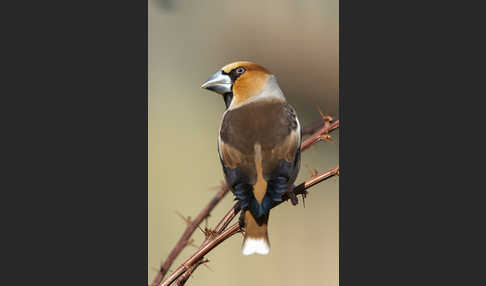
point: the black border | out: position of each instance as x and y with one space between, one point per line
74 208
407 205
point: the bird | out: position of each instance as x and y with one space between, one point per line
258 145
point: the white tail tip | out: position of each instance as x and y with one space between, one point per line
255 245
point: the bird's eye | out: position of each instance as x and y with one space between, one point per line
240 70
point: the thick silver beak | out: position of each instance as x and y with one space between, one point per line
219 83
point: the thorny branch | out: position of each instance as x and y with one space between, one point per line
221 232
191 227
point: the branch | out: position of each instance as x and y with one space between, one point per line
190 264
220 233
183 278
191 227
321 134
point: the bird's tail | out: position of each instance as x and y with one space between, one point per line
256 236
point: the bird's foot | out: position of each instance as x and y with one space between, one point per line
241 220
292 196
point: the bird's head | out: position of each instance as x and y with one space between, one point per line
239 82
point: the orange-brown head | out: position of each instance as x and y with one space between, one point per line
240 81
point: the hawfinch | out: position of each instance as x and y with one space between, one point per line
258 145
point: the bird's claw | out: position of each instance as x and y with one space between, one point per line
292 196
241 220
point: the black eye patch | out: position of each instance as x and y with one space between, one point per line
235 73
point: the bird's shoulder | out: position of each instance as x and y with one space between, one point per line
269 121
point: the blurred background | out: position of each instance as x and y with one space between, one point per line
188 42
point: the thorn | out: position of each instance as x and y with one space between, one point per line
326 137
206 265
326 118
313 172
202 230
208 233
186 219
320 111
304 195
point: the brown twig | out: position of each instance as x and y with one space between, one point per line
220 233
183 278
317 128
193 262
185 238
321 134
